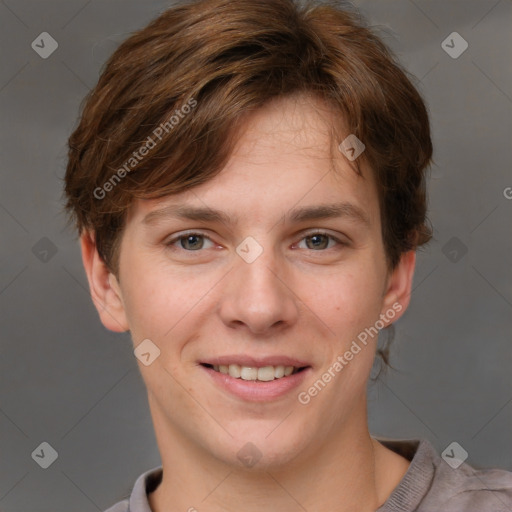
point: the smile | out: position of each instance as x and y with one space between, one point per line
263 374
256 379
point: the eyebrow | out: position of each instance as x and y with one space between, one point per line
330 211
187 212
297 215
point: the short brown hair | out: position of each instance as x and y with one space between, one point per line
223 59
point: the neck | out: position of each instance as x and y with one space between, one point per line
349 471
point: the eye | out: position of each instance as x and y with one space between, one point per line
319 241
189 241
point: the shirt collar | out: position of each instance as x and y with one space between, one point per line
146 483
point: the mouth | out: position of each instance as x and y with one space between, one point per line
256 379
255 373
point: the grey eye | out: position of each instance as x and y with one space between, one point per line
317 241
192 242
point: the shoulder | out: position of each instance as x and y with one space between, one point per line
433 483
122 506
458 486
470 489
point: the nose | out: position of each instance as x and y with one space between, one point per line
258 296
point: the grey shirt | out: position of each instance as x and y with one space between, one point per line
429 485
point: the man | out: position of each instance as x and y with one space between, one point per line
248 180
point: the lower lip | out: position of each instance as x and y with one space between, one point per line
257 391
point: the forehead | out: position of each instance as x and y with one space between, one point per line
286 157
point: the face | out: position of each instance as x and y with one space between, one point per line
274 266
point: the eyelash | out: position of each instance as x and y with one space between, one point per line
183 236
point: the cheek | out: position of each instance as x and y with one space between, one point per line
154 306
160 301
347 301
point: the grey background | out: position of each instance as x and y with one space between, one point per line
67 381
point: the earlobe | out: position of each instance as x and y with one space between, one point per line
104 287
397 294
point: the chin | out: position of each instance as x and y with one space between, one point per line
258 447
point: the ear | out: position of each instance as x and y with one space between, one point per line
397 293
105 290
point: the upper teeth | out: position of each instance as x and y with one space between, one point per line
265 373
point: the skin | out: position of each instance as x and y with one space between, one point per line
298 299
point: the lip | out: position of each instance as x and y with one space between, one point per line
257 391
259 362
